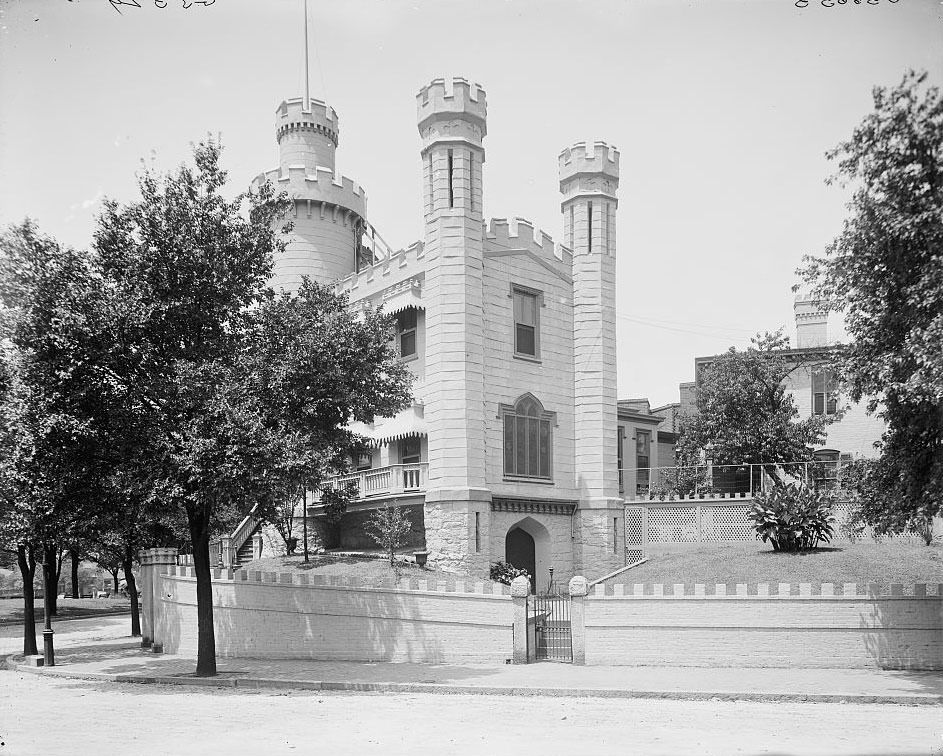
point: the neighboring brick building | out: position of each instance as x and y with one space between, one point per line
510 448
813 388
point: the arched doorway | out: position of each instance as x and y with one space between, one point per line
521 552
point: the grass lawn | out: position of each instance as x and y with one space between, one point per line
755 562
366 567
11 610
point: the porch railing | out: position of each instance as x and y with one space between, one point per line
723 481
383 481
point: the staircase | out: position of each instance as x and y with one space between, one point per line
240 543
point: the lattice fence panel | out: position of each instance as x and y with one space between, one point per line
674 524
634 534
728 523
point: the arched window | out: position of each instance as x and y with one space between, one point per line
528 439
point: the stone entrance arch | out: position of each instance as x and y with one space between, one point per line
527 546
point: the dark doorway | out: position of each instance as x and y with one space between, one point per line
519 551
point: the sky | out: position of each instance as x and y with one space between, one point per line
722 110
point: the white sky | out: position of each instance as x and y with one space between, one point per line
722 110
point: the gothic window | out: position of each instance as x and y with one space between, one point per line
528 439
526 322
824 398
406 332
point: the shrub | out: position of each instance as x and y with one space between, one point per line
502 572
793 517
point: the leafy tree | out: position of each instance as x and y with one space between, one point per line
745 414
885 273
389 527
244 394
54 406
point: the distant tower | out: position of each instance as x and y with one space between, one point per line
589 178
811 323
451 120
329 210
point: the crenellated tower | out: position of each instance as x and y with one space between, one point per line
329 210
589 179
451 119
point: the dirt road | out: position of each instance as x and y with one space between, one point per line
42 716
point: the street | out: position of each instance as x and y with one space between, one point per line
56 716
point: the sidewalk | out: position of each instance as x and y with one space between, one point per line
122 660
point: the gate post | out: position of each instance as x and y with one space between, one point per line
578 590
520 589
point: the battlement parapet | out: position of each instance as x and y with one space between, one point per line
407 258
520 233
583 158
453 99
292 115
322 186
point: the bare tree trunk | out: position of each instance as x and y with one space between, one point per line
114 579
74 557
206 637
27 563
133 593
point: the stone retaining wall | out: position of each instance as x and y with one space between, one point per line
754 626
269 615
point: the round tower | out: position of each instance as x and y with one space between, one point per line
329 210
589 178
306 137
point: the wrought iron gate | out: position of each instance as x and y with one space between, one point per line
549 615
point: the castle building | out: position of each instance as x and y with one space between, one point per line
509 452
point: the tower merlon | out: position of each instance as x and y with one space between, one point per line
520 233
582 158
322 186
443 100
292 115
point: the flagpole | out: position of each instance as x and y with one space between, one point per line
307 93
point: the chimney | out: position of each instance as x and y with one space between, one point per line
811 323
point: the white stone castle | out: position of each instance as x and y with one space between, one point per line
510 449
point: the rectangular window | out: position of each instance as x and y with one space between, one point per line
364 461
471 181
406 331
643 448
824 395
451 187
526 337
620 438
410 450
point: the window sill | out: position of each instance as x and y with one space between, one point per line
527 358
409 357
519 479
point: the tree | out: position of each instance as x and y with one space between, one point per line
884 272
227 375
389 527
745 414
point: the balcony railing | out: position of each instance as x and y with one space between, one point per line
383 481
724 481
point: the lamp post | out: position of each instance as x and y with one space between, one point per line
49 651
550 587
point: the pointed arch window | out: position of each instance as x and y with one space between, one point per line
528 439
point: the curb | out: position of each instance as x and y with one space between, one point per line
262 683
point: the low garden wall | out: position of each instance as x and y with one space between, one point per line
763 626
269 615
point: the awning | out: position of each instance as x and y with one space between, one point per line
405 294
409 422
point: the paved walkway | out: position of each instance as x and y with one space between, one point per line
121 659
